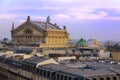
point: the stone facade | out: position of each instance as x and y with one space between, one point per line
116 55
44 33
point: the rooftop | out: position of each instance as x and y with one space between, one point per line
42 25
78 72
35 60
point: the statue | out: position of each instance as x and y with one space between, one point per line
64 27
48 19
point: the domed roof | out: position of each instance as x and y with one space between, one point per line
81 43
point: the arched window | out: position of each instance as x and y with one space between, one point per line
28 33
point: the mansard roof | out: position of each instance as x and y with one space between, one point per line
24 51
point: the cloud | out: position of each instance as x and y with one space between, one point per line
76 16
61 16
69 12
79 10
49 8
113 18
7 16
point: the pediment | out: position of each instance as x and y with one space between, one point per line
26 25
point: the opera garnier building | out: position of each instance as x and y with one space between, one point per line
45 34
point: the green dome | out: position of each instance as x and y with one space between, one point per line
81 43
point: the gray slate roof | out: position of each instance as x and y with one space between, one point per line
42 25
54 67
24 51
89 72
79 72
35 60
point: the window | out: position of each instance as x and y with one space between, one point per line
70 78
94 79
61 77
108 78
40 72
65 77
58 76
101 78
37 71
48 74
28 33
114 78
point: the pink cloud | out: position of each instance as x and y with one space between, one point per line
7 16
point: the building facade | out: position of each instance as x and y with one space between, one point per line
116 55
37 32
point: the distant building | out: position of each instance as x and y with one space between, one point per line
105 54
44 34
0 44
5 40
93 43
115 49
81 43
72 43
116 55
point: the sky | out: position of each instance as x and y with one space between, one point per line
83 18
